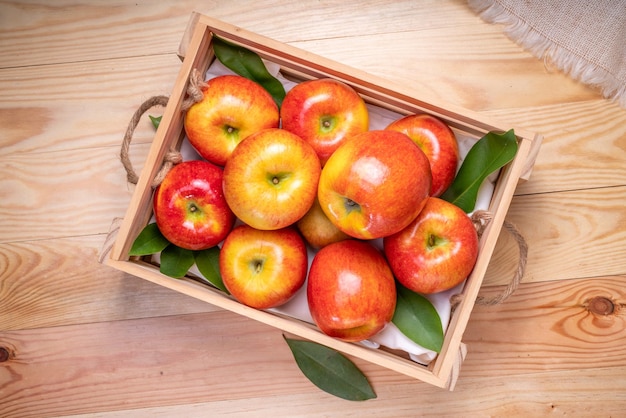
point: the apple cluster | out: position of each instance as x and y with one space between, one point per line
273 182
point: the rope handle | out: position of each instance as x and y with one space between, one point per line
481 219
173 156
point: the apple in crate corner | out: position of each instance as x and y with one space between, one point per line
438 142
190 208
233 107
351 290
437 251
374 184
318 231
324 112
270 179
263 269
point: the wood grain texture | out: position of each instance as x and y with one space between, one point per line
449 71
65 106
53 282
491 398
549 326
149 28
570 234
197 357
588 135
85 339
82 190
152 28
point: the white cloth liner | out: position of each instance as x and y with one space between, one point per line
297 307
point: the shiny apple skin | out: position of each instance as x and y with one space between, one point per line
437 251
189 206
374 184
270 180
351 290
324 112
438 142
233 107
263 269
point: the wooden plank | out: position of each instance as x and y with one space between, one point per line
584 145
54 282
148 361
68 32
559 325
192 358
152 28
571 234
63 193
534 395
155 29
65 114
462 72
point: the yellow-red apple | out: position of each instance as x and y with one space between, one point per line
324 112
270 179
317 230
351 290
374 184
233 107
263 269
437 251
189 206
438 142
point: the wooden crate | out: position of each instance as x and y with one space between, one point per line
196 52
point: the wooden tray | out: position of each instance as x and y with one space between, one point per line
196 52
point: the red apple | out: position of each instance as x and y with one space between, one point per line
270 179
318 231
190 208
438 142
374 184
324 113
351 290
263 269
233 107
437 251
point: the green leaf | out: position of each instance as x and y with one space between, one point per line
248 64
417 318
176 261
155 121
149 241
208 263
330 370
490 153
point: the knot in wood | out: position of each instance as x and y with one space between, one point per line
4 354
600 305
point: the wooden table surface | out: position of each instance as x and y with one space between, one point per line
78 337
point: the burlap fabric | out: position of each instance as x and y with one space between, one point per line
586 39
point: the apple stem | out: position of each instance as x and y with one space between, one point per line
275 180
